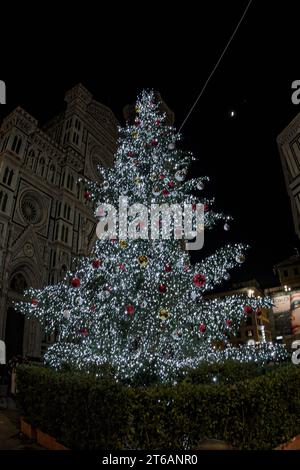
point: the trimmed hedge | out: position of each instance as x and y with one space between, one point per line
83 412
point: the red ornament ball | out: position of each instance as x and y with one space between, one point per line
258 313
165 192
84 331
168 268
96 263
228 322
122 266
130 154
171 184
194 207
137 122
87 195
199 280
130 309
34 302
162 177
157 122
206 207
154 142
248 309
93 308
162 288
202 328
75 282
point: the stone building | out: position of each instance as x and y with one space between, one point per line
288 143
45 219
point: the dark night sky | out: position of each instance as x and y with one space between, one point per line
174 53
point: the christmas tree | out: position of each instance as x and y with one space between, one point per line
137 303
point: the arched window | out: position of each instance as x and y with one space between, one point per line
1 196
63 271
65 210
42 167
30 159
5 176
5 141
56 233
16 146
11 174
62 236
72 183
52 174
8 176
69 213
66 235
18 283
4 203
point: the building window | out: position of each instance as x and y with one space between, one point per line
67 211
77 124
30 159
5 141
70 182
62 235
16 146
76 138
67 137
54 259
63 271
56 232
42 167
31 209
285 273
8 176
52 173
5 176
296 271
18 283
3 201
11 174
66 235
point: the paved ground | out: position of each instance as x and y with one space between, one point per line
10 436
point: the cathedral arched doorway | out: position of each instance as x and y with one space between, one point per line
14 332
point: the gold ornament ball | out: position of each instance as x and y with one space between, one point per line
137 109
135 135
240 258
143 260
163 314
137 180
123 244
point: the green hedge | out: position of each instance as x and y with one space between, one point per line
83 412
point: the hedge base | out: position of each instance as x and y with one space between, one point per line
27 429
293 444
45 440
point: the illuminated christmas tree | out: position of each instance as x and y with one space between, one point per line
137 303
